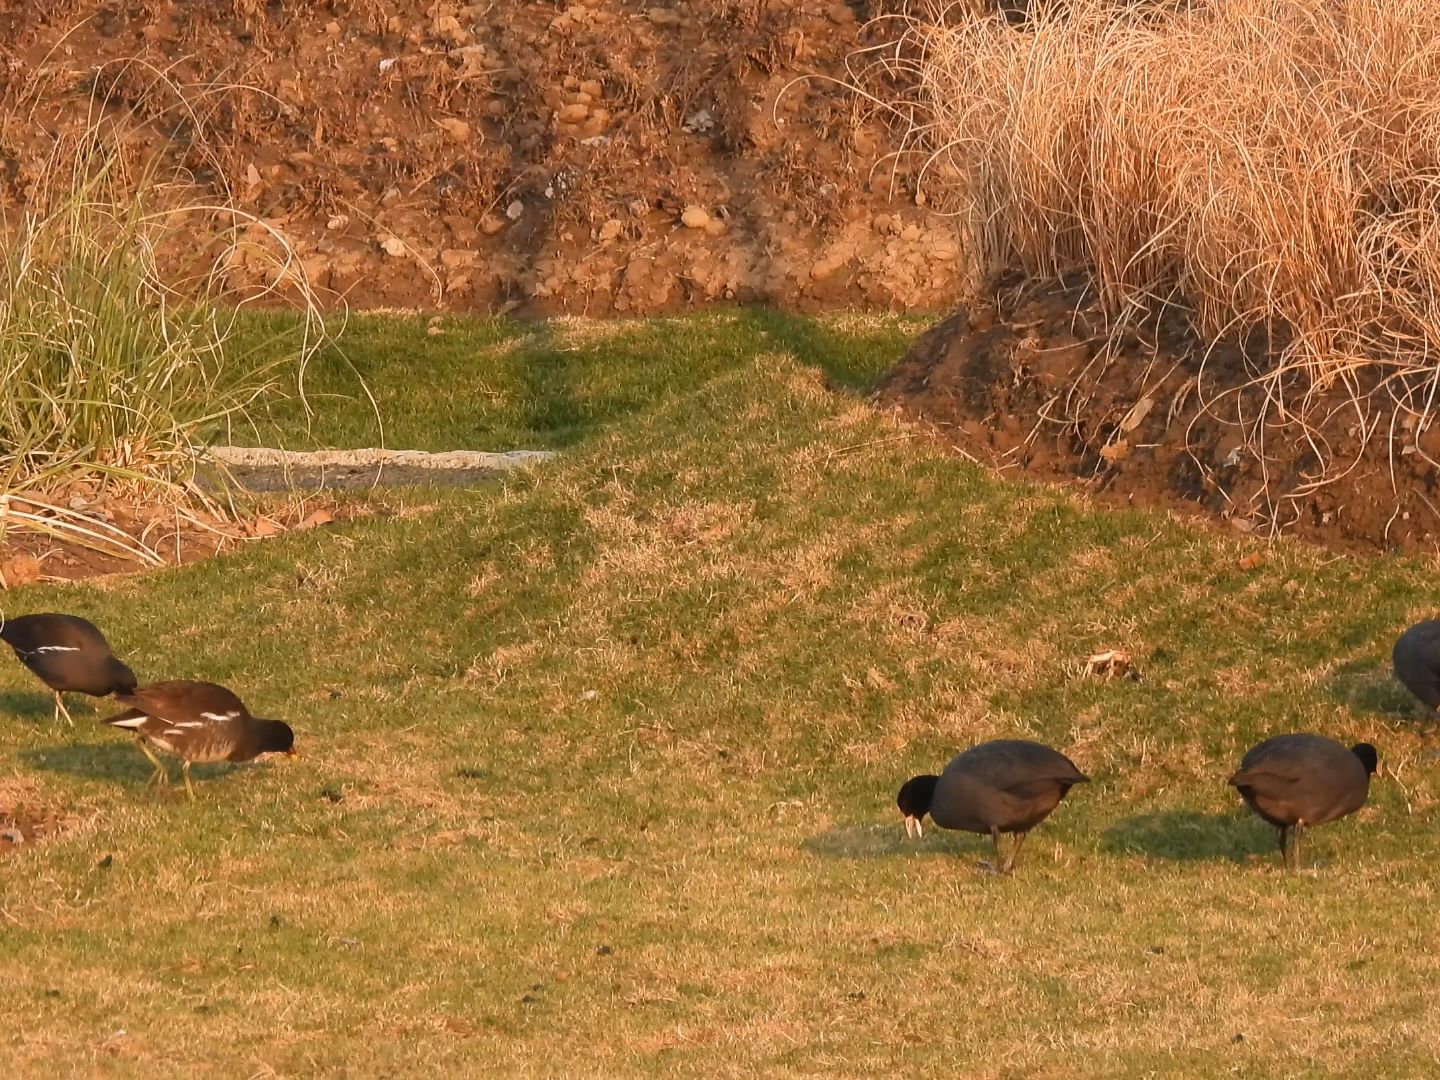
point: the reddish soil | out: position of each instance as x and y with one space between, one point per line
175 539
1029 379
594 156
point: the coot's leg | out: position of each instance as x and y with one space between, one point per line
1015 851
997 866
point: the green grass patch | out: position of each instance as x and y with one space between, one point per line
429 383
599 764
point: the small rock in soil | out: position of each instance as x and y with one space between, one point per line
700 122
455 129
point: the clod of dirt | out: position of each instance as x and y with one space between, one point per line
264 526
20 826
458 130
19 570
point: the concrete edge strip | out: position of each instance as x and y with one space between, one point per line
266 457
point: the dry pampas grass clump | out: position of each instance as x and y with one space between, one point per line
1270 165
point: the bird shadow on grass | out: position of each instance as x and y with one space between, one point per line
1367 691
889 842
118 762
39 706
1190 836
27 705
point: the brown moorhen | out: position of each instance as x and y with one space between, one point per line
198 721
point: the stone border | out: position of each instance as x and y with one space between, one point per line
265 457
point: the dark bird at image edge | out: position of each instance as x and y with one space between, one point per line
68 654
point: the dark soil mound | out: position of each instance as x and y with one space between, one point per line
595 156
1033 379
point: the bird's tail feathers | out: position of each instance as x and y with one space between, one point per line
130 719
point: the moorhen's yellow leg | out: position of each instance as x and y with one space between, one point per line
185 774
60 710
161 775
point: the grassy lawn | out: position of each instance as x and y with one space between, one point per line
451 383
598 765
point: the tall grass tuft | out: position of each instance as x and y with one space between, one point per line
115 357
1267 163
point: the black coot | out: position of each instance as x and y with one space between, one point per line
1416 657
1004 786
1296 781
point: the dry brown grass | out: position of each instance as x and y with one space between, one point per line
1271 164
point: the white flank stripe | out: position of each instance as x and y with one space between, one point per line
189 723
57 648
219 718
131 722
